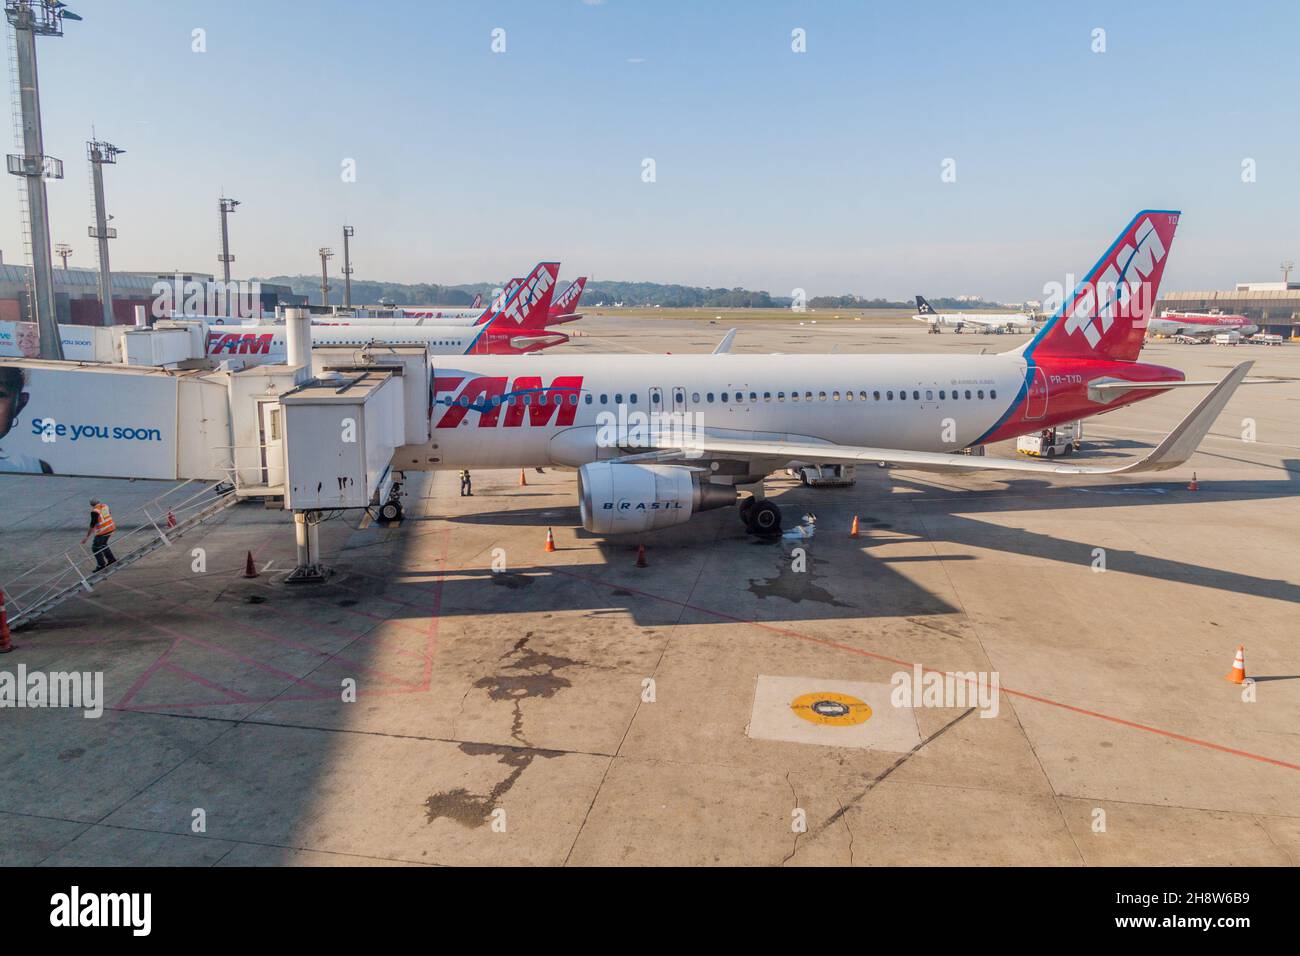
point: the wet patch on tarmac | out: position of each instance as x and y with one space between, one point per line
794 586
475 809
532 674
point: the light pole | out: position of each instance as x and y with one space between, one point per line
30 20
348 233
63 251
99 153
227 207
326 254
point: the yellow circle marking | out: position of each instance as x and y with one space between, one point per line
835 710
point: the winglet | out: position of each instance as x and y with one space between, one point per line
725 345
1182 442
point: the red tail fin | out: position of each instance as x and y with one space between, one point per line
499 299
528 305
566 303
1106 315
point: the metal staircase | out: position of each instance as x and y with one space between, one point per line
162 521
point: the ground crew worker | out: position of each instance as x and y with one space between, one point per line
466 485
101 526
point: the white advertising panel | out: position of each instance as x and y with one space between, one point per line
70 422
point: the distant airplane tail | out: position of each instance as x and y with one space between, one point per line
566 303
478 301
923 307
1106 315
527 303
499 299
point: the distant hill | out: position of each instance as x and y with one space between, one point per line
370 292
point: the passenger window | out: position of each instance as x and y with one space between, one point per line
496 400
929 394
821 396
863 395
780 396
588 398
849 396
876 396
889 396
753 396
724 396
604 399
980 393
618 398
942 395
835 396
573 398
767 396
695 397
968 394
541 399
679 397
528 399
654 398
807 396
708 397
993 393
632 398
794 396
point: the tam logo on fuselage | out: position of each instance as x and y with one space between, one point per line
527 399
240 343
1121 290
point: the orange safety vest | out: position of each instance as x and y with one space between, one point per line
105 524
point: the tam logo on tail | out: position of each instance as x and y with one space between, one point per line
1106 315
567 301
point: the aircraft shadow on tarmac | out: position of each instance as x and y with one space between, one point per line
710 570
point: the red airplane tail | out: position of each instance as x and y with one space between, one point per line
515 326
1106 315
566 303
499 299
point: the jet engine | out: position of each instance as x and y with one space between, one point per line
618 498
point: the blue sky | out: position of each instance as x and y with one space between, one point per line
774 169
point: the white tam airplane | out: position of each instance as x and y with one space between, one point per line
657 438
995 320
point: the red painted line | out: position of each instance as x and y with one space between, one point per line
235 696
1172 735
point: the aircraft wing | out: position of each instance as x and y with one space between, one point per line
1173 451
725 345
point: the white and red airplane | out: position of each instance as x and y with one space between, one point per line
562 309
1200 324
657 438
511 330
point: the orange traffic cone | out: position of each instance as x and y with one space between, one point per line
640 556
1191 485
171 519
6 645
1238 673
853 531
523 480
550 540
250 569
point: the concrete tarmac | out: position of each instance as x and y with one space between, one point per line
514 706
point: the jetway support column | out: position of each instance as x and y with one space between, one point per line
307 535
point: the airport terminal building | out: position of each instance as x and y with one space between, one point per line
1275 306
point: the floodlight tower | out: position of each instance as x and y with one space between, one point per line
1287 266
348 233
326 254
99 153
30 19
63 250
227 207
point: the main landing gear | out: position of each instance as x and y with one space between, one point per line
760 517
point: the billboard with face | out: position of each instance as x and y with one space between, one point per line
70 422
